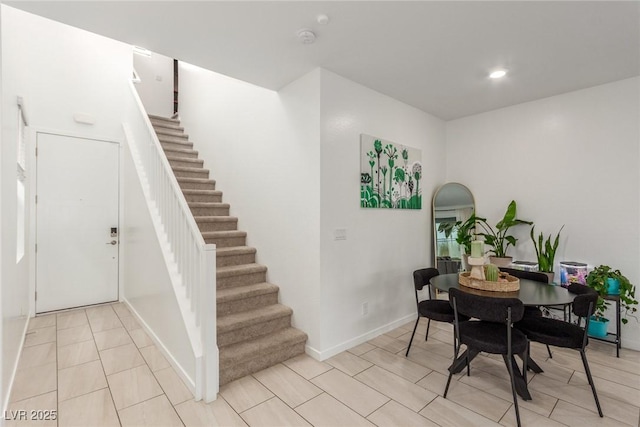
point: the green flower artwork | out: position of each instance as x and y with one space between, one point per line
390 175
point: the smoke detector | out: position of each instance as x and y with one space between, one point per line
306 36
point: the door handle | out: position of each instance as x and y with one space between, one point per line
113 242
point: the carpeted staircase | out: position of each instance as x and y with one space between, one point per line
254 331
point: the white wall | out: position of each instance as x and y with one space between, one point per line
148 287
59 71
263 150
156 85
570 159
383 247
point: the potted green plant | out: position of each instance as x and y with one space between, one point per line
498 239
465 233
607 281
546 251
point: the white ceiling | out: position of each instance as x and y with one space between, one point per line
432 55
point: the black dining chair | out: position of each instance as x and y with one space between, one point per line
491 333
432 308
535 276
565 334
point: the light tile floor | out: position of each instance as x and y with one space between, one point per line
97 367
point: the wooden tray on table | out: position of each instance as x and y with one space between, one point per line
505 283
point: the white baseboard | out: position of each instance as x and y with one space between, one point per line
189 382
630 343
321 355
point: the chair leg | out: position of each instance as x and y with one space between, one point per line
456 350
549 351
507 361
593 387
525 357
468 366
426 336
411 340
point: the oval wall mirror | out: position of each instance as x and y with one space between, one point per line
452 202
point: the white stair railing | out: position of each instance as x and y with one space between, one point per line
193 259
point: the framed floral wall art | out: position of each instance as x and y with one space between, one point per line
390 174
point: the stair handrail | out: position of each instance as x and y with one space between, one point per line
194 258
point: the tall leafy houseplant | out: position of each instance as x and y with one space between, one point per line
545 250
466 231
598 280
497 238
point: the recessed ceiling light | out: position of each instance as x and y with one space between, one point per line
498 74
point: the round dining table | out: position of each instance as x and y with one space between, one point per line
531 293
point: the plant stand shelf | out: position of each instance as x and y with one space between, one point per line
613 338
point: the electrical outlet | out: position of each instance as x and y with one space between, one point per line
365 308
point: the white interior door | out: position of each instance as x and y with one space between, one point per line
76 208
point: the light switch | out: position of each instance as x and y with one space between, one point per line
340 234
84 118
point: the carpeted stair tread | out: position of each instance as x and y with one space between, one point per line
166 125
207 192
209 208
232 322
164 119
196 180
185 169
216 222
167 142
180 153
245 358
195 162
235 250
225 238
208 204
257 348
230 233
239 270
164 122
171 132
245 298
215 219
177 139
177 151
242 292
179 171
236 255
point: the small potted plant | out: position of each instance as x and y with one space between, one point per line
607 281
498 239
546 252
465 233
